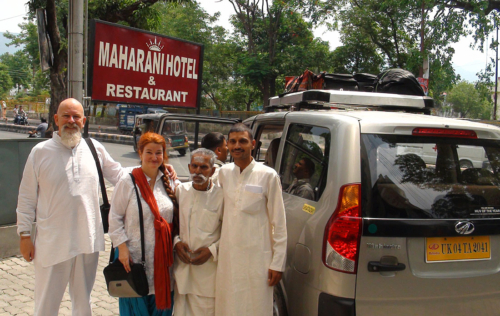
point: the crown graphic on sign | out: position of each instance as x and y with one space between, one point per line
156 46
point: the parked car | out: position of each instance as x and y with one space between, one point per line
127 114
387 230
181 131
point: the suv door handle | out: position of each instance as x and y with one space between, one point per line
377 266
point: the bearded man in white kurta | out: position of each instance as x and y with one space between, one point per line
200 216
60 187
252 247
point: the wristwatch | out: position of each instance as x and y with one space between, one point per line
25 234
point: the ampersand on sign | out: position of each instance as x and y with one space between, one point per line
152 81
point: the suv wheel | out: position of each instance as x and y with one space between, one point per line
279 308
182 152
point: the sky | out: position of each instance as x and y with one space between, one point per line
466 61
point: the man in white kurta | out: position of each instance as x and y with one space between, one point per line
252 247
60 189
200 216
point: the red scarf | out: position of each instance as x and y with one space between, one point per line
164 255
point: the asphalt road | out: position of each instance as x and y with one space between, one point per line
125 154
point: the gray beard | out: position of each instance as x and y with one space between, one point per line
70 139
205 179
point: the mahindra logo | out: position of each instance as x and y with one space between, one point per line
433 246
464 228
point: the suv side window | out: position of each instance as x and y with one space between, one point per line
268 141
305 161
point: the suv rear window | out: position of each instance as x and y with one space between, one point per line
424 177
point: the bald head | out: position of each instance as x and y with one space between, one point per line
70 112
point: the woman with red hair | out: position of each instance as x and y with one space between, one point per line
159 206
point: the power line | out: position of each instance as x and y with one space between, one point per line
12 17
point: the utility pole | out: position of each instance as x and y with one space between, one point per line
75 50
496 74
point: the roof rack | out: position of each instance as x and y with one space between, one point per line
337 99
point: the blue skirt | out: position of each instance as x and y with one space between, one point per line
141 306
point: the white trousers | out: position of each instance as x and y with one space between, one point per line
51 282
193 305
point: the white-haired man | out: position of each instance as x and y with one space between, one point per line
200 216
60 187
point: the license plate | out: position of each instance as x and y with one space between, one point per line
443 249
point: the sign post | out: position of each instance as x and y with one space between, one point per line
131 66
424 83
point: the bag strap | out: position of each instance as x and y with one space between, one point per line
141 223
141 220
99 171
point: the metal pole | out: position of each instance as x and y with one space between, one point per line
75 50
496 76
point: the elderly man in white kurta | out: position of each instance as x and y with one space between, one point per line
253 242
200 216
60 188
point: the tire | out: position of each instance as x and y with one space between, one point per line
182 151
279 306
466 164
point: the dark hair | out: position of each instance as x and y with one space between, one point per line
240 127
212 140
310 166
43 119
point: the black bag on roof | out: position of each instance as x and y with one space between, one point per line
341 82
366 82
398 81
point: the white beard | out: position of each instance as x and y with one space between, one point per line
70 139
198 182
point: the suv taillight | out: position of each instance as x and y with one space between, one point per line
343 231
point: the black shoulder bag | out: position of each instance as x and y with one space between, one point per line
132 284
105 205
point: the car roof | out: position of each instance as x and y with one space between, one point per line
383 122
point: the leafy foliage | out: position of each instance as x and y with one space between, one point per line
5 80
468 101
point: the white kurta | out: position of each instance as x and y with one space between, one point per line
124 221
253 206
60 187
200 219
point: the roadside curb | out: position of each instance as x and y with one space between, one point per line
103 137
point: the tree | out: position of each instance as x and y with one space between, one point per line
5 80
190 22
275 40
129 12
466 100
28 40
19 68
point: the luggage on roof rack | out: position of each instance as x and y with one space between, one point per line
398 81
366 82
328 99
345 82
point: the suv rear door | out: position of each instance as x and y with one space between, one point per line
431 227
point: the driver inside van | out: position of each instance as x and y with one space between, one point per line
301 186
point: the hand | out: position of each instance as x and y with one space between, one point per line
204 255
27 248
171 172
124 256
274 277
183 250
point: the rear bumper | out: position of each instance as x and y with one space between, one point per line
330 305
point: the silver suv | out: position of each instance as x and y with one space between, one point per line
376 225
